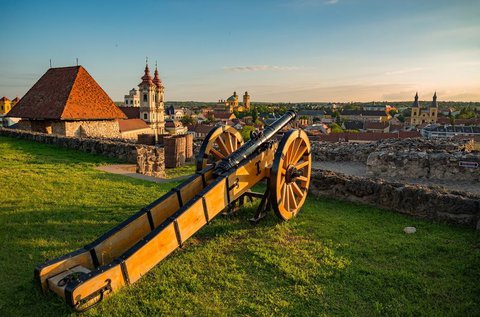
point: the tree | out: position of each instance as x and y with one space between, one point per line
336 128
187 120
254 114
245 132
392 113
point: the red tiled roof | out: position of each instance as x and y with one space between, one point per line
132 124
200 128
66 93
4 99
223 115
131 112
375 125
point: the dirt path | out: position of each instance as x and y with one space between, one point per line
130 171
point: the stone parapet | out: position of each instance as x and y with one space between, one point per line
150 160
459 208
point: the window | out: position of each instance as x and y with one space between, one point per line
433 113
144 97
145 116
414 113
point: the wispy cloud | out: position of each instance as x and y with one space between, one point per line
329 2
404 71
256 68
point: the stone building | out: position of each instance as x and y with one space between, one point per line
420 116
68 101
151 92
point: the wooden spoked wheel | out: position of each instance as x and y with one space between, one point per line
219 143
290 174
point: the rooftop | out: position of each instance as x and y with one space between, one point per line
66 93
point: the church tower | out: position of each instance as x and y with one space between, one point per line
151 101
159 106
433 109
415 115
246 101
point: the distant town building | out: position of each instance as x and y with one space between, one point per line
68 101
420 116
232 104
449 131
174 114
174 127
132 128
132 99
5 105
364 115
311 116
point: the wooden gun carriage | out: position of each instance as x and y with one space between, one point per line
227 169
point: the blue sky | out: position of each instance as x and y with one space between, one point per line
285 50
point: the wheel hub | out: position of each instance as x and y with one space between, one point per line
292 173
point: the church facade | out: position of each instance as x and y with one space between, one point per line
420 116
151 95
232 104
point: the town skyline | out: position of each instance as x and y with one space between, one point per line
278 51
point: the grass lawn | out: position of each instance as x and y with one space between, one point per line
335 258
186 170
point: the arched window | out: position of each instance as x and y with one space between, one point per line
145 97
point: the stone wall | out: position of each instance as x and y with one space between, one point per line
359 152
426 164
150 160
94 129
458 208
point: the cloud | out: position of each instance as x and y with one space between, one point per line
329 2
404 71
256 68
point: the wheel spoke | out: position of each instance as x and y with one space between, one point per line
296 144
302 178
297 190
217 154
222 145
298 155
301 165
292 196
287 194
229 142
283 191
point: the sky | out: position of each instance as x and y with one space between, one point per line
278 51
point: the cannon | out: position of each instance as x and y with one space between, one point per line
226 170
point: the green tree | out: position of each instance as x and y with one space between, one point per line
187 120
336 128
255 114
245 132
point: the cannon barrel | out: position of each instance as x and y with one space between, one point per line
255 142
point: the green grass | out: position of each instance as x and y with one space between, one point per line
335 258
186 170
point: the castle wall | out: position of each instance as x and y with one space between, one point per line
150 160
461 209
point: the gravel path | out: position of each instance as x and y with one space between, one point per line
360 169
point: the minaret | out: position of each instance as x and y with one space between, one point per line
246 101
433 109
148 97
415 115
159 105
